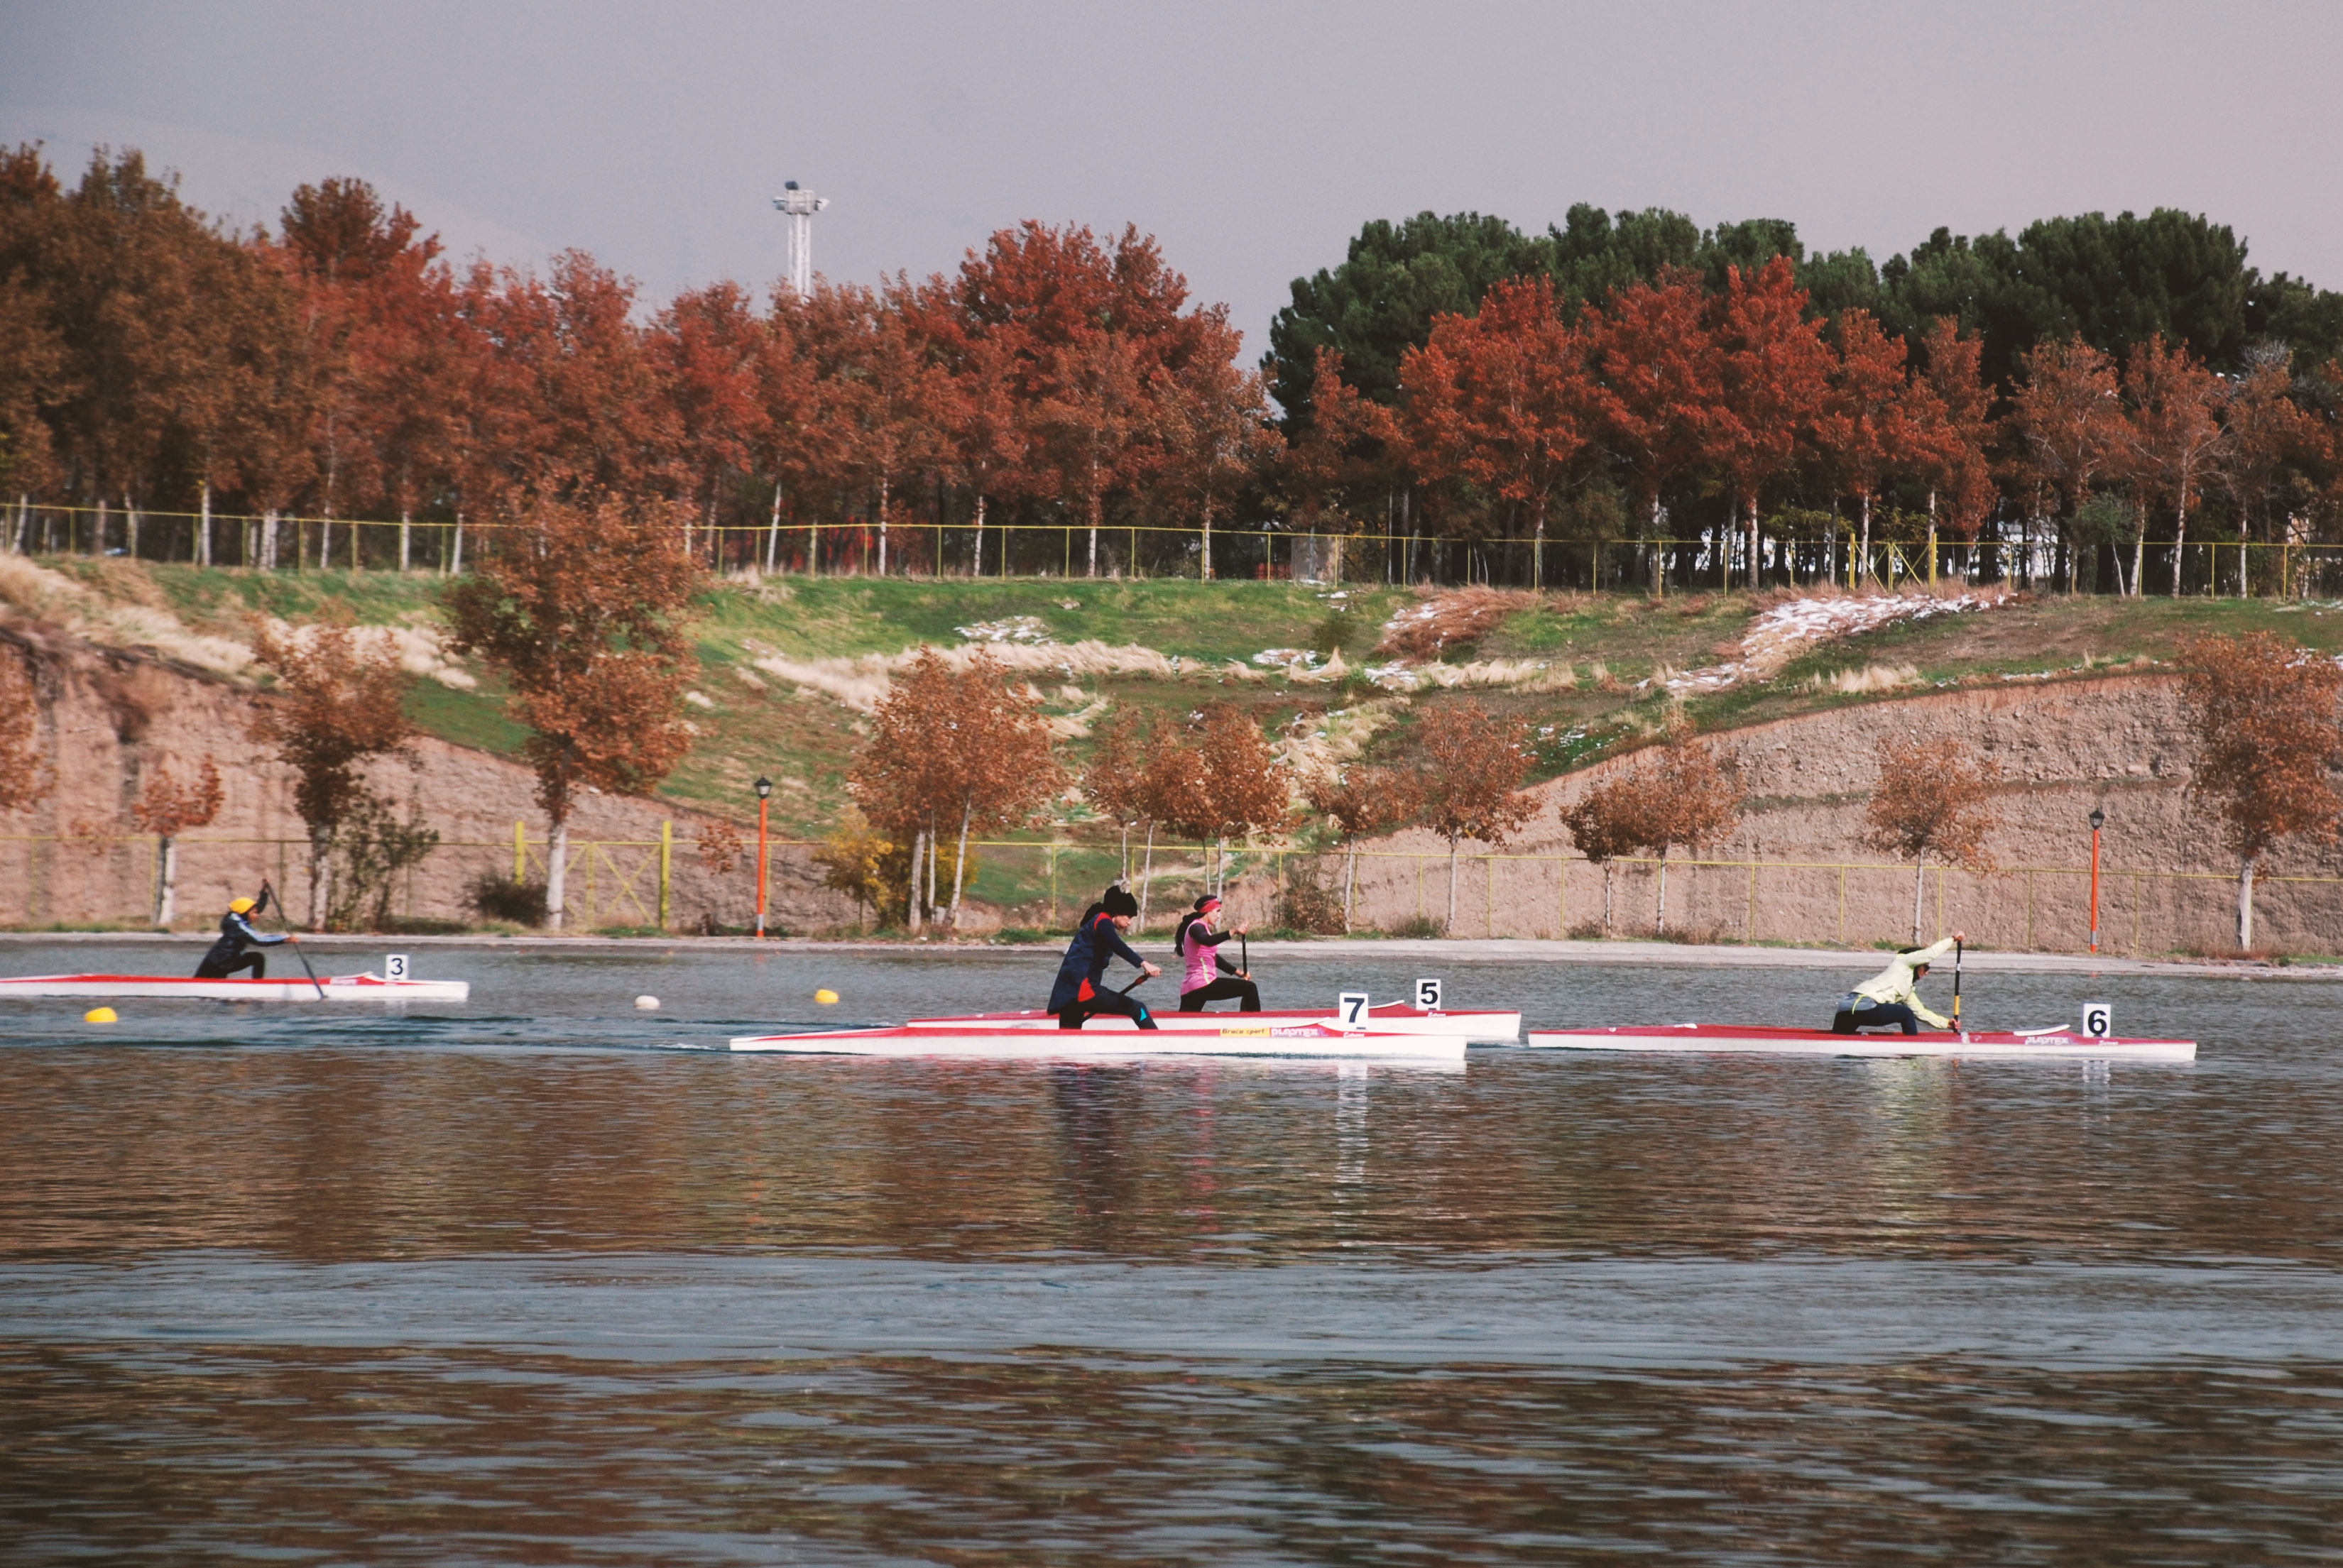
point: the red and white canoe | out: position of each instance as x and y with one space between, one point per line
1226 1037
1758 1041
1478 1026
335 988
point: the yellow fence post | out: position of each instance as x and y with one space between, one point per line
520 851
666 862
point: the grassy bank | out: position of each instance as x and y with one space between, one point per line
776 694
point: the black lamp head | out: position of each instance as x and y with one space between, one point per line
2098 819
764 787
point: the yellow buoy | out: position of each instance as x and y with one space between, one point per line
826 996
100 1015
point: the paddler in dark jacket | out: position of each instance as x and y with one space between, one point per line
228 955
1079 993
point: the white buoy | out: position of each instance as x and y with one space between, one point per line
646 1004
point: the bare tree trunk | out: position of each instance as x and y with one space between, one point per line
1932 538
1453 844
1863 549
268 540
556 875
1662 924
2246 906
935 853
130 527
1753 556
456 557
1207 555
1537 548
959 866
321 872
1349 885
1606 897
919 869
882 526
1147 876
166 891
2180 540
2139 555
406 540
204 528
1919 885
1094 528
975 567
773 533
98 544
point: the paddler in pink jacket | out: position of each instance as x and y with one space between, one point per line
1210 977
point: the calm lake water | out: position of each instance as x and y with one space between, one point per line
524 1281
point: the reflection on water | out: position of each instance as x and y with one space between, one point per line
500 1282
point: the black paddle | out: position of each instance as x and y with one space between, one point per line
1957 984
293 940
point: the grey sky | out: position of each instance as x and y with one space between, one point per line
1253 139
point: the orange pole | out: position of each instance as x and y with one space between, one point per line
2095 889
763 804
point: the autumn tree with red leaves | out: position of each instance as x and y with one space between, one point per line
1775 372
1931 802
2174 438
584 608
339 703
167 809
952 751
1660 386
1503 397
2267 747
26 780
1470 781
1362 803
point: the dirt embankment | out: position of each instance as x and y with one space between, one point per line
108 717
2062 749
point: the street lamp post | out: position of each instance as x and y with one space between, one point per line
2099 820
764 795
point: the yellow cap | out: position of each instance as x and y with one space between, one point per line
826 997
100 1015
239 906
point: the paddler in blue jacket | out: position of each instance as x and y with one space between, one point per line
1892 997
228 955
1079 993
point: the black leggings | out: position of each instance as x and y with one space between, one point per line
212 969
1227 986
1875 1016
1103 1002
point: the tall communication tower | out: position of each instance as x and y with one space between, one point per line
799 205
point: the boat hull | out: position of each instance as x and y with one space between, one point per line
1748 1041
1478 1026
1055 1044
364 988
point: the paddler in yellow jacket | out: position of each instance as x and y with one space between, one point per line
1893 995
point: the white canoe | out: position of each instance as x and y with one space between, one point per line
335 988
1095 1043
1747 1039
1480 1026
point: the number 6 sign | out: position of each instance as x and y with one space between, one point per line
2098 1020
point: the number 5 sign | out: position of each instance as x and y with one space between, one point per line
1427 995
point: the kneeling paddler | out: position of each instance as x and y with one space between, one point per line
1079 994
1891 998
230 955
